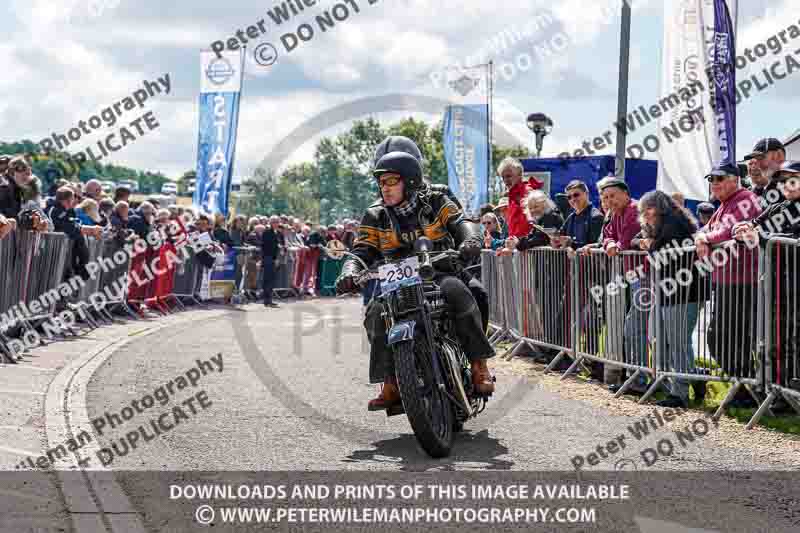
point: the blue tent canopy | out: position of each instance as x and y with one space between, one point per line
640 174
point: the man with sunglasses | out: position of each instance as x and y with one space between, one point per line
400 143
584 224
389 229
731 331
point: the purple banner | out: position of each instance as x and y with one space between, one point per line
721 49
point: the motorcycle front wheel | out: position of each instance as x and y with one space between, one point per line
429 410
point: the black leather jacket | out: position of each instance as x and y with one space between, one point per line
386 234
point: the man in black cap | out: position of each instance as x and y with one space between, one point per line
762 163
782 220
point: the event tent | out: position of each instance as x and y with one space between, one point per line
556 173
792 145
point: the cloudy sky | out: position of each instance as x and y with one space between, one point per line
66 63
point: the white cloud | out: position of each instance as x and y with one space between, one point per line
67 66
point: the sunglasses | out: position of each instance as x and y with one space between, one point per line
389 181
20 168
574 195
716 179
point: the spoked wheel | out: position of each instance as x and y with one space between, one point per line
428 409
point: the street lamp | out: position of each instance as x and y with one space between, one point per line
541 125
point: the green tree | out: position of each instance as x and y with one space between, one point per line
187 178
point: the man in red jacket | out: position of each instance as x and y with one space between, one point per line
731 335
510 170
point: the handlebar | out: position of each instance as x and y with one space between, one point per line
426 267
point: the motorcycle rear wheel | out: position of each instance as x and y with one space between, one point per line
432 418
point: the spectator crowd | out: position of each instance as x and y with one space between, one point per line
80 210
748 202
285 252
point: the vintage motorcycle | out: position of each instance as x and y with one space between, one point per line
433 373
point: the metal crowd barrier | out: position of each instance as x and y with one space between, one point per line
705 317
781 354
285 274
611 315
113 279
489 278
8 284
40 265
537 284
39 269
33 287
79 299
673 318
188 276
7 257
246 257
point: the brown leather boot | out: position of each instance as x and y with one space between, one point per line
389 396
481 378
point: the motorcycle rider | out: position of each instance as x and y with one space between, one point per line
389 228
399 143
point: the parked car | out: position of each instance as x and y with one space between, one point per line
132 185
169 188
108 186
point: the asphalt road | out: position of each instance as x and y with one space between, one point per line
283 392
292 396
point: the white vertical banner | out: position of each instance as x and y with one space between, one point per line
694 122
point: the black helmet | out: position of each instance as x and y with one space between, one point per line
401 163
397 143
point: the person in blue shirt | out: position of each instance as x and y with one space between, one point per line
584 223
88 213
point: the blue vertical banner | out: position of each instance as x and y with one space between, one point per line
220 92
721 46
466 136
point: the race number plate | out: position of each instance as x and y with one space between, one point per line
401 274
